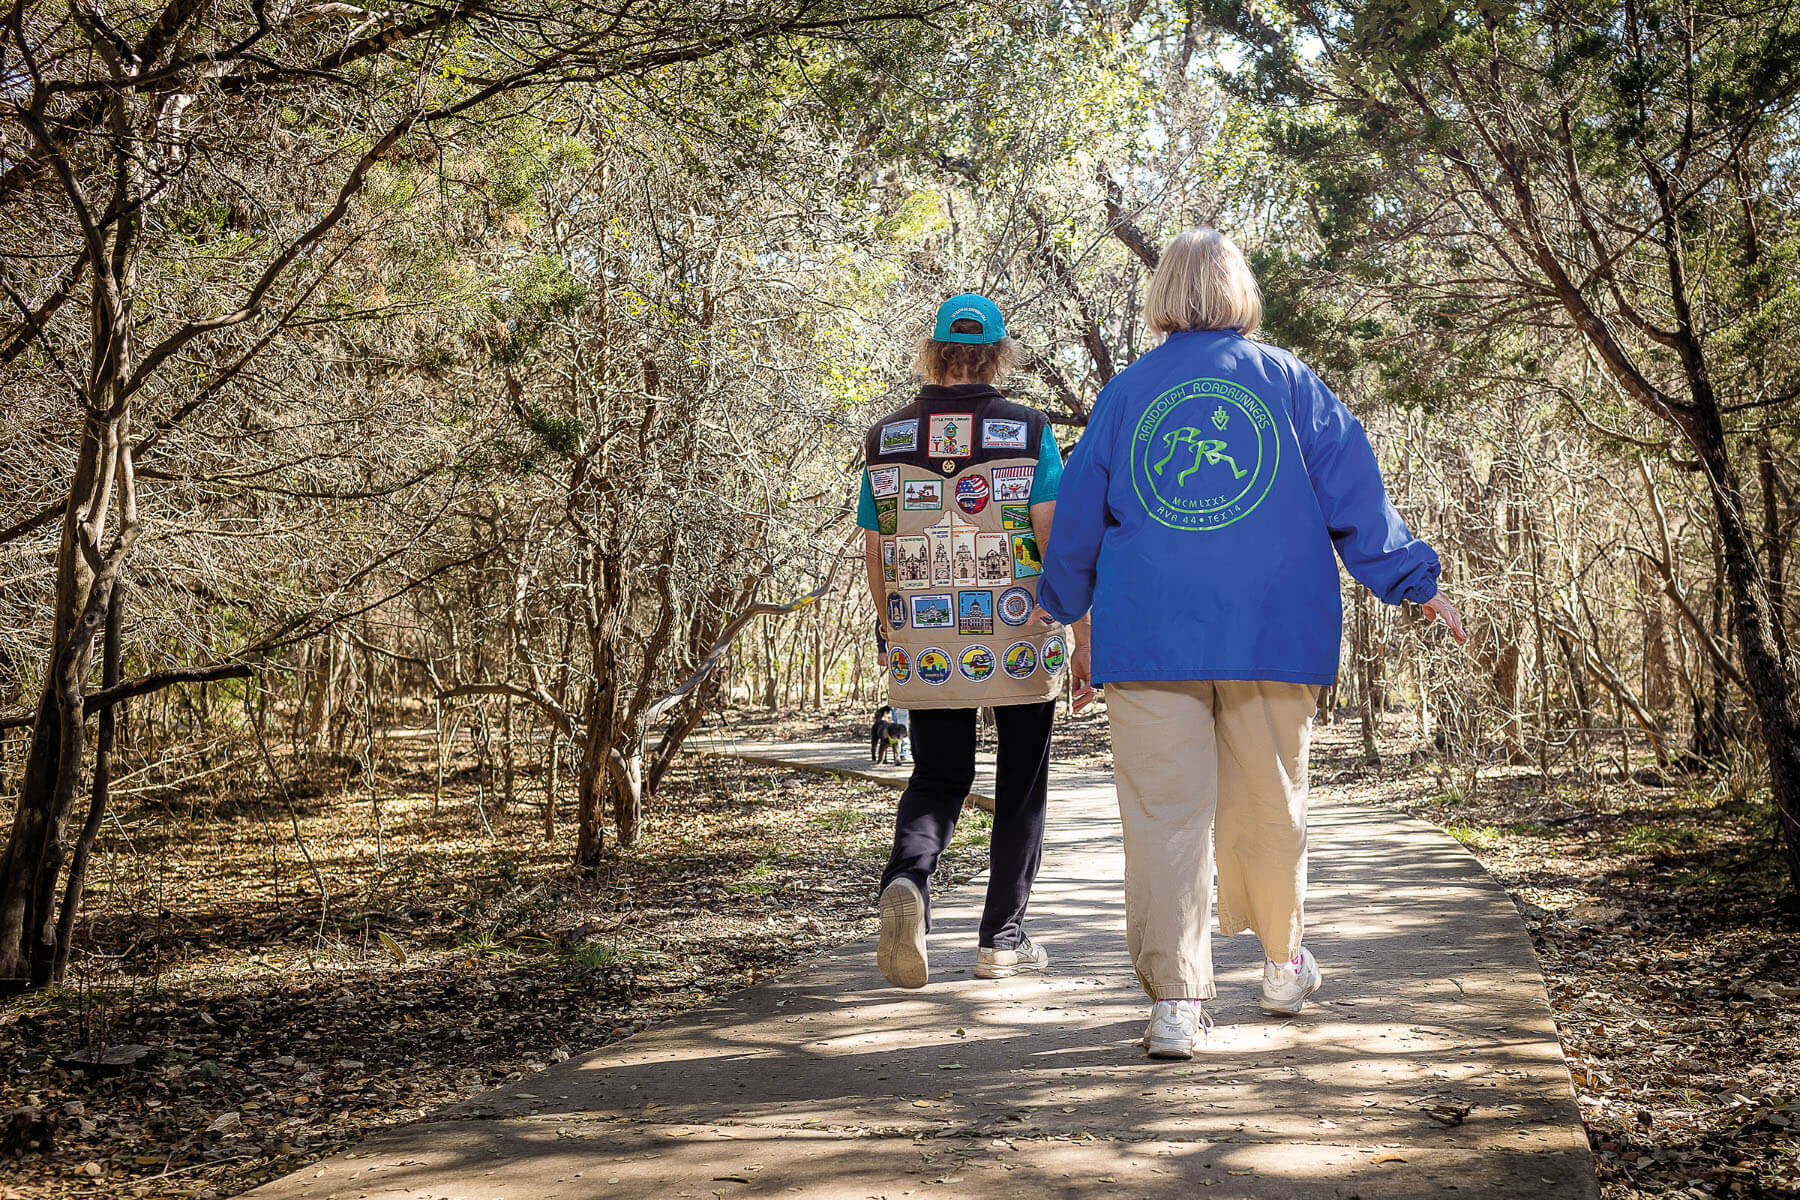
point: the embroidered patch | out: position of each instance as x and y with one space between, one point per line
1204 455
992 564
884 481
1020 660
977 663
887 514
900 437
962 555
932 611
1054 654
1014 517
972 493
934 666
900 665
1025 558
1012 485
974 613
952 435
912 562
887 559
923 494
938 537
1002 435
896 610
1016 605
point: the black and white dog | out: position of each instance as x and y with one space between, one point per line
886 734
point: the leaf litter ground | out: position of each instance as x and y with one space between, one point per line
1666 933
467 957
1658 913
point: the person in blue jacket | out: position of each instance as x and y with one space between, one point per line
1198 519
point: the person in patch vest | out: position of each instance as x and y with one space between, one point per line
957 496
1199 516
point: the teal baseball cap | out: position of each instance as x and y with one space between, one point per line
969 307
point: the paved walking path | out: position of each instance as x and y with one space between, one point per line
831 1084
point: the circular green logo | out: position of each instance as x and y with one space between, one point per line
1204 454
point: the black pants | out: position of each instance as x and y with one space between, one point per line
943 744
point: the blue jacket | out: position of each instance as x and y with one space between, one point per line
1199 512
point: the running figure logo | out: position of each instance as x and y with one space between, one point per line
1206 450
1204 454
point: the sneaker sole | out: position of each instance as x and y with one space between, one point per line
1170 1050
901 951
986 971
1282 1010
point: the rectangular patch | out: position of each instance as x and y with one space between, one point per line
887 559
1002 435
1015 518
940 539
900 437
974 613
923 494
952 435
993 561
884 481
1026 561
962 555
887 514
932 611
912 563
1012 485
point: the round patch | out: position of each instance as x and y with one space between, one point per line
1020 660
949 465
896 611
972 493
934 665
1015 605
1203 455
900 665
1055 656
977 663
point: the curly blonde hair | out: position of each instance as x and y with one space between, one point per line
986 362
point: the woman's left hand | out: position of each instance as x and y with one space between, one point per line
1439 608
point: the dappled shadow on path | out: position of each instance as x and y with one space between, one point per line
832 1083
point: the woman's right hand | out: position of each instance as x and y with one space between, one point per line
1439 608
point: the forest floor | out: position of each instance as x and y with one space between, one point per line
1666 931
468 955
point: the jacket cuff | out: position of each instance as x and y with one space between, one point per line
1422 584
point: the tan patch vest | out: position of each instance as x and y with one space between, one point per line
951 474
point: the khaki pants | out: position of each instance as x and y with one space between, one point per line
1198 764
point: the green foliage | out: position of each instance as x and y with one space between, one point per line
561 433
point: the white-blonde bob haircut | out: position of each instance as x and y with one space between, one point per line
1203 282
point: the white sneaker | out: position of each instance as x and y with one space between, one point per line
1287 985
998 964
1174 1027
901 951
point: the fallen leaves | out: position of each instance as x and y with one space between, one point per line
1669 953
254 1048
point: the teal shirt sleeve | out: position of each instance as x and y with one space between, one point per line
1046 481
866 517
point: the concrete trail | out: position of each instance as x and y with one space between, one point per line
830 1083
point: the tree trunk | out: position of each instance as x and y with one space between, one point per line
627 792
1364 653
110 660
1771 680
33 859
590 837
